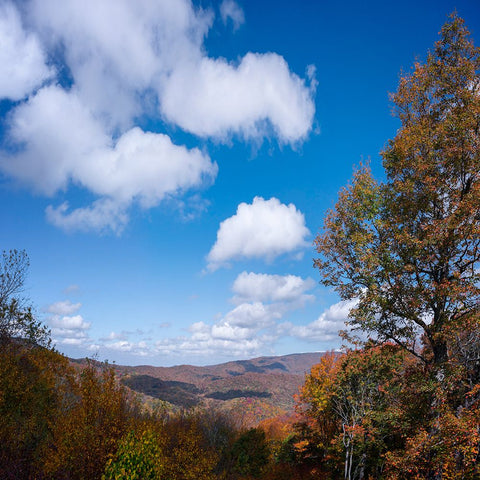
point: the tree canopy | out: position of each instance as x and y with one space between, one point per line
408 248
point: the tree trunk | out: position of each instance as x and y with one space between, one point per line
440 352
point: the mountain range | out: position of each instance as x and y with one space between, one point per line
252 390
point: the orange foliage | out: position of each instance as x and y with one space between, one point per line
93 419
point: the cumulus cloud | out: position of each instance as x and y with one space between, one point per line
115 336
238 332
67 328
68 322
163 53
203 342
22 57
65 307
118 50
262 287
230 10
64 143
249 328
262 229
117 61
252 315
213 98
327 325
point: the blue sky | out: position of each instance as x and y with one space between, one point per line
167 164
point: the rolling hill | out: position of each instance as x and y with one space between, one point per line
251 389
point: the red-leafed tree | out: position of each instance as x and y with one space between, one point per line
409 248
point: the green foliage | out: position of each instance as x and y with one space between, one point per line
182 447
251 453
139 457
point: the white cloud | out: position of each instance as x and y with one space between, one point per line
214 98
250 328
65 307
238 331
64 143
69 330
202 343
22 58
245 331
58 134
68 322
261 287
101 215
252 315
72 341
230 10
117 49
263 229
115 336
126 60
144 46
66 328
141 348
327 325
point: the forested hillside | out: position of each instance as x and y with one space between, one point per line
251 389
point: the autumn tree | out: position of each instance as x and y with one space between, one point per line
319 425
349 397
95 415
438 420
32 391
31 375
408 248
188 452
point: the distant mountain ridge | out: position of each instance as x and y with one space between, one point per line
257 388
